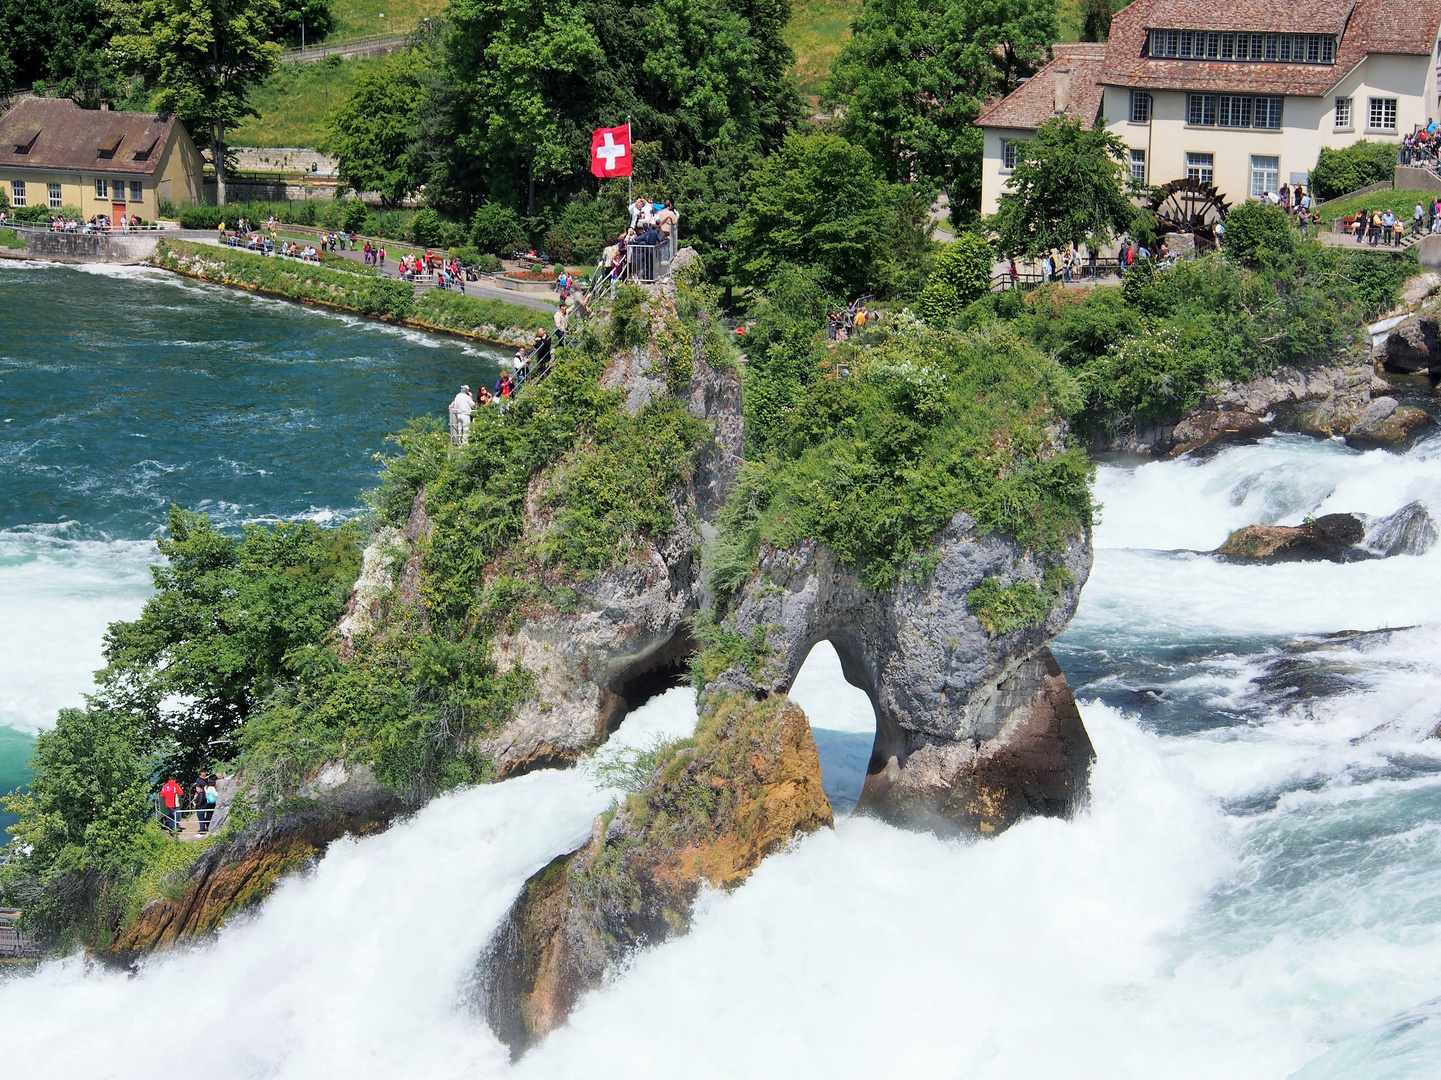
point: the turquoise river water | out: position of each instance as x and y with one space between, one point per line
1253 892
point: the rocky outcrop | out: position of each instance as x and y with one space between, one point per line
1335 538
1387 423
745 786
627 632
1414 344
1332 538
974 730
232 875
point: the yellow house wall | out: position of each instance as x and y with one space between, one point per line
179 158
1309 123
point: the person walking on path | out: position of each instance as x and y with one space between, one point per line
170 795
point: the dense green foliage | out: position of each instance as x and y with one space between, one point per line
1343 170
474 315
873 447
202 57
497 228
962 274
916 73
1068 188
818 203
1003 609
9 238
59 47
1149 351
372 131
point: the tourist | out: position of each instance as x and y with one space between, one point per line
212 797
640 214
503 388
1015 274
562 324
484 397
460 412
1047 268
380 256
666 222
170 795
1416 218
1388 219
197 800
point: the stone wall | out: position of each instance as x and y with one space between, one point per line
90 247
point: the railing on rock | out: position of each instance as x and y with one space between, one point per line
14 944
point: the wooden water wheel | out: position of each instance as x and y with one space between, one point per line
1189 206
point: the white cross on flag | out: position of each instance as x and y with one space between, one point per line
610 151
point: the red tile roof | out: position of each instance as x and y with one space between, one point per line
1071 80
1406 27
55 133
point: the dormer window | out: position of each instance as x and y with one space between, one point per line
144 155
1226 45
107 150
25 145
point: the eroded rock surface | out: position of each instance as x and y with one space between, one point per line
712 812
955 705
1332 538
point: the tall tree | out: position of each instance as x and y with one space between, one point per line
815 203
1068 188
373 131
59 47
203 56
916 73
530 79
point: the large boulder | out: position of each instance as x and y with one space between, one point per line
1332 538
1386 423
714 808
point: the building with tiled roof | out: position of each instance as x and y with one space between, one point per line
101 162
1239 93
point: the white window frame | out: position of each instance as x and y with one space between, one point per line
1345 114
1261 173
102 188
56 196
1201 165
1140 107
1138 167
1385 109
1009 152
17 192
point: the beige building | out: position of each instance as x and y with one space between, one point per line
117 164
1242 94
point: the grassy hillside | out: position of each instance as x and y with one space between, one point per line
361 18
817 30
293 103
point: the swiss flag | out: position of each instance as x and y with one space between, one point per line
610 151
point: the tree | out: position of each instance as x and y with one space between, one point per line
816 202
314 16
916 73
60 47
1096 19
496 228
527 80
962 274
1068 188
1259 235
1342 171
203 56
373 131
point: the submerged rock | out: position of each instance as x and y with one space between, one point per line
1332 538
716 805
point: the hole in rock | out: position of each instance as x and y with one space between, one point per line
843 721
663 668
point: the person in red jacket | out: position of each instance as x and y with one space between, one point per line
170 794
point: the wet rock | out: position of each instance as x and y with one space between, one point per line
1332 538
711 813
1413 344
1389 425
1409 531
1217 427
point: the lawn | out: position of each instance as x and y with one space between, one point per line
293 103
1398 202
817 30
362 18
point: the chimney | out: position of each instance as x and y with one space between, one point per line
1062 85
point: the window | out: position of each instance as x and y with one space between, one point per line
1284 48
1213 45
1265 175
136 193
1216 45
1201 110
1186 37
1272 45
1383 114
1173 42
17 192
1228 46
1268 113
1343 114
1328 49
1201 167
102 188
1138 167
56 197
1010 149
1258 46
1233 111
1313 49
1140 107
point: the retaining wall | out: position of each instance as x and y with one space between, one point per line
80 247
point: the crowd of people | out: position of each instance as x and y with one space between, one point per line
202 799
840 325
652 225
1382 225
1420 147
59 223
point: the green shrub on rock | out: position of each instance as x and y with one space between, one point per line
961 274
1346 169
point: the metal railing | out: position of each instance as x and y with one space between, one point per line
85 227
334 48
15 945
206 825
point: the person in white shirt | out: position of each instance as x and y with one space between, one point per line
460 411
641 214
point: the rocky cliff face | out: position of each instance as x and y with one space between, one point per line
973 729
715 807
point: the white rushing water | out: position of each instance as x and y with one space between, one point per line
1254 891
